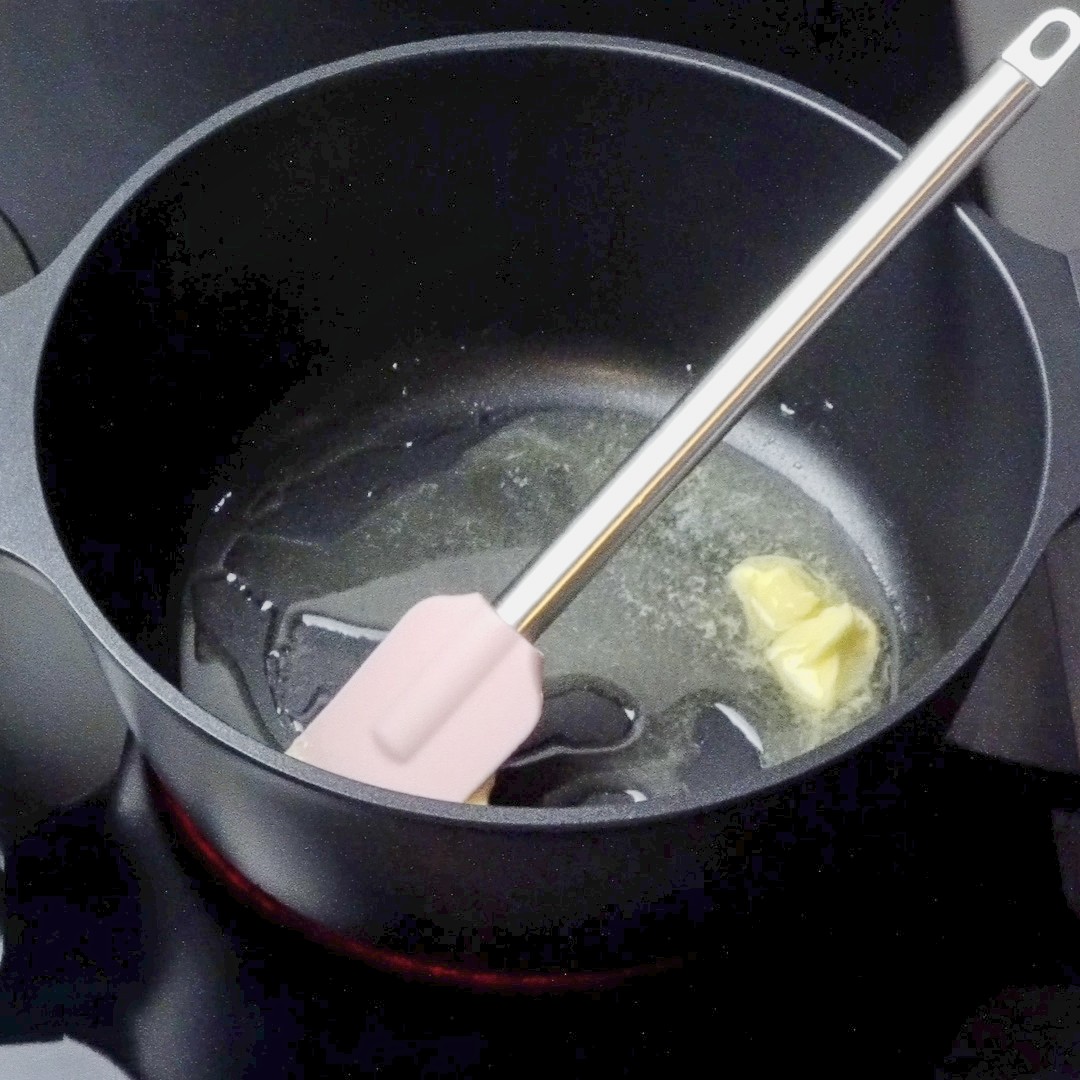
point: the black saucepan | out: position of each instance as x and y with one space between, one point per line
599 214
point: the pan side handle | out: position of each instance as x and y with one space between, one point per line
26 531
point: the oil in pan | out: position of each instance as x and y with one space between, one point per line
312 554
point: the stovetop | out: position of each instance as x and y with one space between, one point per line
938 940
119 937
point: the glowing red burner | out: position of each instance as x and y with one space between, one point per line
423 966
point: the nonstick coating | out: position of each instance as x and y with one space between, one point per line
523 190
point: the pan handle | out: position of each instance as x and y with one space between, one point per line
25 318
1046 286
1063 370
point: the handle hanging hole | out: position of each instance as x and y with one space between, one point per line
1042 49
1051 38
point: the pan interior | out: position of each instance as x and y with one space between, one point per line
519 201
334 521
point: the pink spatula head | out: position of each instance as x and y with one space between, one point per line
446 697
455 688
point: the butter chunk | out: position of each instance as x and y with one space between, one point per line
776 593
826 660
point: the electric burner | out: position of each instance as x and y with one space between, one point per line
123 935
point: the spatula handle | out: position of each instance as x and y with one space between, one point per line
922 179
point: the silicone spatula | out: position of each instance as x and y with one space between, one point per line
456 686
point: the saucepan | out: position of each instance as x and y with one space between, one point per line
374 330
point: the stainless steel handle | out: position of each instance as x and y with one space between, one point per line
937 163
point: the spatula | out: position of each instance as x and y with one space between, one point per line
456 686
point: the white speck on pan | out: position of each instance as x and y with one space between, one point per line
744 725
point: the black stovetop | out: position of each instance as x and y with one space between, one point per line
940 929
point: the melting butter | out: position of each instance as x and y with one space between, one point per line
821 649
